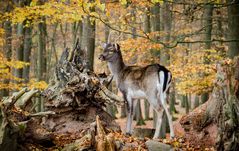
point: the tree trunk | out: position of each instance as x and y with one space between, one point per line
88 41
107 34
146 27
27 52
155 18
42 63
146 110
164 126
138 113
172 97
182 99
155 117
20 49
233 27
52 51
196 102
208 15
76 31
64 33
186 104
7 50
167 22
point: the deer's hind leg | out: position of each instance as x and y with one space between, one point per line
170 121
159 123
155 103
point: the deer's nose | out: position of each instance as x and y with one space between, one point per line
102 57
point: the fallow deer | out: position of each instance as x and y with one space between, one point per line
150 82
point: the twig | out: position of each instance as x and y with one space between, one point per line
42 114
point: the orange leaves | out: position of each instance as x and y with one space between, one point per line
140 50
194 70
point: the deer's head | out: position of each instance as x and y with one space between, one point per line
111 52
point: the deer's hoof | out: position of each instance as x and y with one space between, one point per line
128 134
156 137
172 136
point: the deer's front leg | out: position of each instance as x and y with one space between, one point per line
130 107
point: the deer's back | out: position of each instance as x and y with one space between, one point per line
138 78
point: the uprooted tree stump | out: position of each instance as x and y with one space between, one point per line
73 100
216 122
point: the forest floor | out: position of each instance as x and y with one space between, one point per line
179 131
149 123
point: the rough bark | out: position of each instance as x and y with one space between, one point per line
88 41
233 27
146 27
167 24
172 97
196 102
76 30
146 110
216 121
208 15
74 99
27 51
155 18
138 114
8 41
41 59
20 49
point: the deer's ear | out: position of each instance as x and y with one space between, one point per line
117 47
104 45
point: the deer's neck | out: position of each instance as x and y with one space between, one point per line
116 67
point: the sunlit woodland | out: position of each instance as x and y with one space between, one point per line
56 94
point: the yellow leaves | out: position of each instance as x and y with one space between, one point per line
157 1
194 70
52 10
41 85
140 50
123 2
4 63
6 67
1 35
33 3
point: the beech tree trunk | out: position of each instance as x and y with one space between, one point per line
8 43
233 27
138 114
208 15
146 27
172 97
27 52
88 41
196 102
42 61
20 49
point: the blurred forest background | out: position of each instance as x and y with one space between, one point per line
190 37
